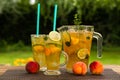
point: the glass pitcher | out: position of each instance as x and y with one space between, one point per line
77 40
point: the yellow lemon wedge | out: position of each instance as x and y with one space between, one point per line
54 35
83 53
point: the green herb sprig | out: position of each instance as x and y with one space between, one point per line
77 19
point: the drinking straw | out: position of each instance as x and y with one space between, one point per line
55 16
38 19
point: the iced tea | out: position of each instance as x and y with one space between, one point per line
53 51
77 47
77 40
38 48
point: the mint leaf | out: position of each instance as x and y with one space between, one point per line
77 19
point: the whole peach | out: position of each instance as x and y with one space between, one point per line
32 67
79 68
96 67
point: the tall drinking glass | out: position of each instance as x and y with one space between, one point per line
77 40
38 48
53 51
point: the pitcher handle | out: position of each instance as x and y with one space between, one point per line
66 59
99 38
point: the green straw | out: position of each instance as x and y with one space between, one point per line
38 19
55 16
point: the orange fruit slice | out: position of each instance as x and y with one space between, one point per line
47 51
38 48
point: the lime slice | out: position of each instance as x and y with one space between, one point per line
67 38
83 53
54 35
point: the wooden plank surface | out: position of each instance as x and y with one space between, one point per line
111 72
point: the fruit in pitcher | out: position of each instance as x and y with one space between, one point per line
79 68
74 41
32 67
83 53
96 67
67 38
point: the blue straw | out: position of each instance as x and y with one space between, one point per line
55 16
38 19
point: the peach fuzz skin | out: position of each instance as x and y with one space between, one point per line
32 67
96 67
79 68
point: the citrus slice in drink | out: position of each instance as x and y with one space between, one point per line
54 35
67 38
47 51
38 48
83 53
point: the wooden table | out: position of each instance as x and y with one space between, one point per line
111 72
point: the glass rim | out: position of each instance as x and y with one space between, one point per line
78 25
34 35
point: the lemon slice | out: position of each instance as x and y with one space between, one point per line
54 35
83 53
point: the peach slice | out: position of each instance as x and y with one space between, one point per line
38 48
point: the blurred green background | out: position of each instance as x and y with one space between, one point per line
18 21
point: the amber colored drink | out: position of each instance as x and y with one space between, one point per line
38 48
53 51
77 40
77 47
